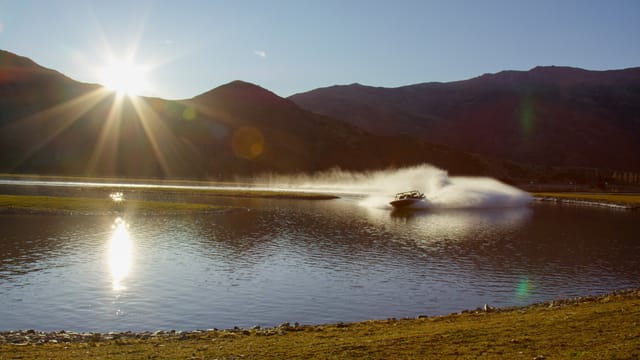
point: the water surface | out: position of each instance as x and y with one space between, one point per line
302 261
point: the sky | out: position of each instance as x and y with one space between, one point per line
188 47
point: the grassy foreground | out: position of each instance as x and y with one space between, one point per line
605 327
75 205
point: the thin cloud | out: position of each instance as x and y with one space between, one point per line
1 27
260 53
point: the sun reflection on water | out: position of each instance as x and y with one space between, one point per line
120 253
117 197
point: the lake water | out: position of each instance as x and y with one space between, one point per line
303 261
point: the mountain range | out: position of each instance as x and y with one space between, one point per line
552 116
511 125
51 124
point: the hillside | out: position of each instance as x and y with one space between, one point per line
51 124
550 116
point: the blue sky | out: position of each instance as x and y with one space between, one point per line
295 46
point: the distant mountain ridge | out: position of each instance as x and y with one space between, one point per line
549 115
50 124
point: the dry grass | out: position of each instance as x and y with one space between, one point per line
596 328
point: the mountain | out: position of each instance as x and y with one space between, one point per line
50 124
550 116
25 83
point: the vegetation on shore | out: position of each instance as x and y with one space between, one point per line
632 200
77 205
606 326
114 181
246 193
154 186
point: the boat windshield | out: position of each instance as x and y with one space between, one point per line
414 194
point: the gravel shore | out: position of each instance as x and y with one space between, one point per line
31 336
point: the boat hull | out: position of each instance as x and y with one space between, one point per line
405 203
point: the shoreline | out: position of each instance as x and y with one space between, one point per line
68 205
580 202
189 188
612 201
82 206
595 326
60 212
33 336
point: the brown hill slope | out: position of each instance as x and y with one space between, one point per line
548 115
51 124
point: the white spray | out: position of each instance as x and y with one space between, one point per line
379 187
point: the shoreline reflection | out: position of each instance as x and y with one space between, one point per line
120 253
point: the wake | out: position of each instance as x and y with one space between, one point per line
379 187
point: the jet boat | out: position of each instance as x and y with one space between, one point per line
407 199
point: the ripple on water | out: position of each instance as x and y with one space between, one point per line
307 262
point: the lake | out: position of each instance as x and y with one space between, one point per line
303 261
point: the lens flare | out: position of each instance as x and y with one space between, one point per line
524 288
189 113
248 142
527 115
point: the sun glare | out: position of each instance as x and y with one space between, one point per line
124 77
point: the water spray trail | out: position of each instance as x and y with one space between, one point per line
379 187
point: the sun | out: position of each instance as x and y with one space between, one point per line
124 77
